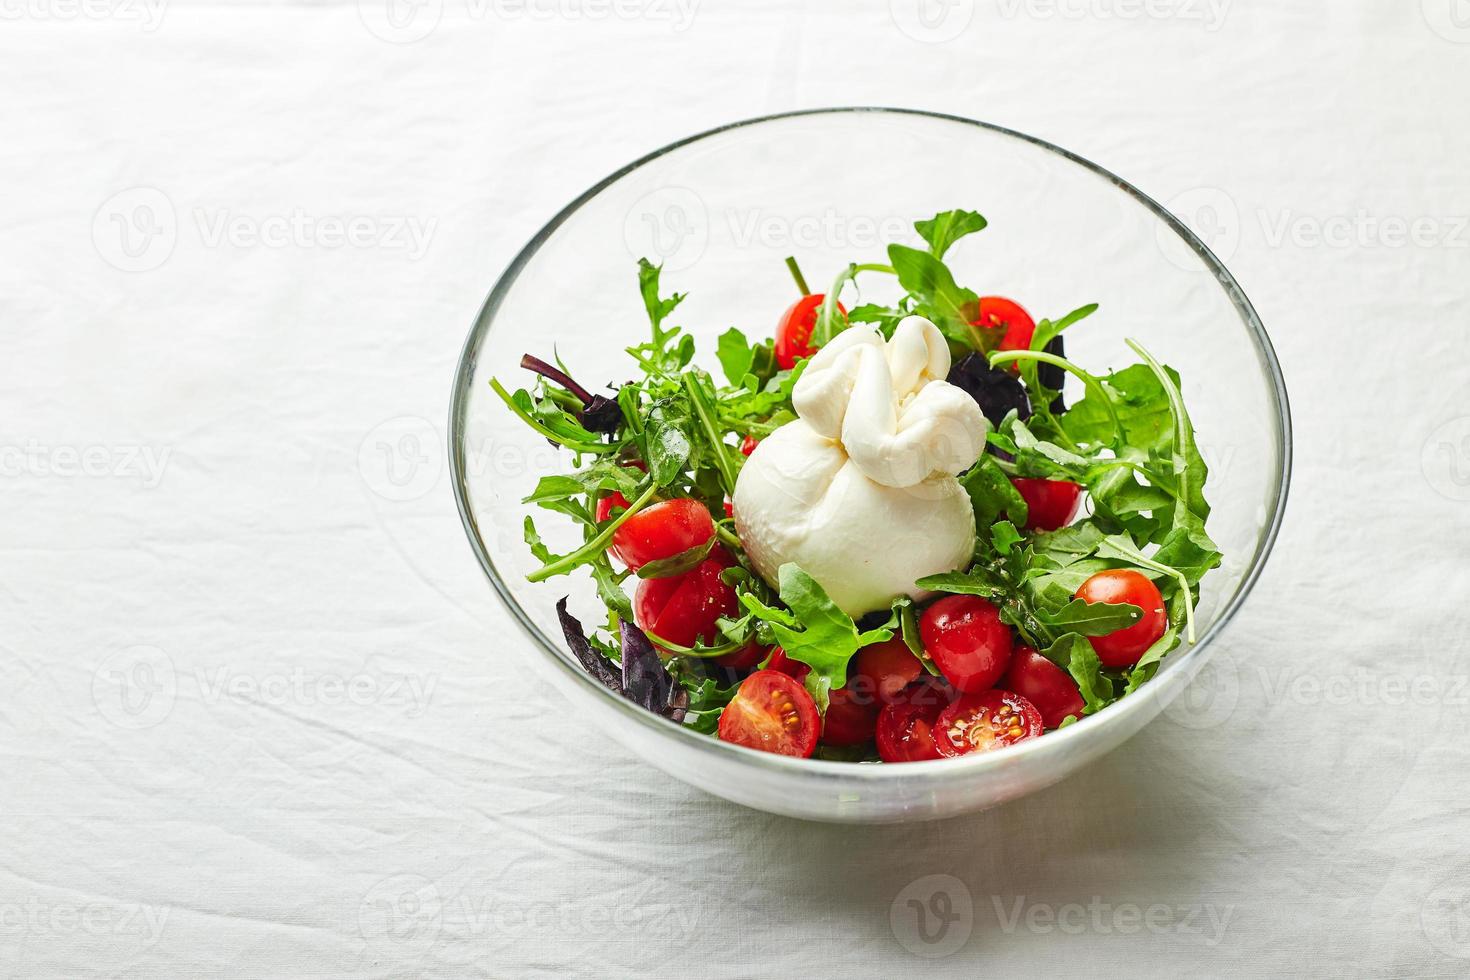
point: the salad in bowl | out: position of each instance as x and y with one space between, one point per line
882 534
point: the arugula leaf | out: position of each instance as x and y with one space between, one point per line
948 305
826 638
1141 405
1074 654
948 227
684 561
992 493
658 308
707 700
1091 618
735 354
1005 536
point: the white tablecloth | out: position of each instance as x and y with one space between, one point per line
260 714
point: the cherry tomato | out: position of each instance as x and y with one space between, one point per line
748 444
965 638
752 654
772 713
887 668
662 530
606 504
729 510
852 716
791 668
684 608
985 722
794 332
1044 684
1050 504
905 731
1123 647
997 311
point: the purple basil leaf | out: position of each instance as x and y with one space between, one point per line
646 681
602 414
593 662
996 390
1052 376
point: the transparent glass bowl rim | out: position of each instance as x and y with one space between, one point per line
864 774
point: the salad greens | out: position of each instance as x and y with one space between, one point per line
676 433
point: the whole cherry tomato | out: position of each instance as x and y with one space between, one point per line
614 499
794 332
997 311
1047 686
985 722
851 717
905 731
886 669
1050 504
750 655
1122 648
965 638
684 609
662 530
772 713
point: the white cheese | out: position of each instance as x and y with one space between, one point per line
860 491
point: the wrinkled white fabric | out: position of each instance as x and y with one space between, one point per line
860 490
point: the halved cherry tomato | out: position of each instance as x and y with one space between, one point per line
685 608
791 668
905 731
1123 647
887 668
965 638
997 311
748 444
851 717
1044 684
662 530
985 722
1050 504
772 713
794 332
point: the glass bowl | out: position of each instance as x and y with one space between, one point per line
721 210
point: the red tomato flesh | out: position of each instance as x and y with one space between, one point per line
1123 647
662 530
772 713
985 722
965 638
905 731
794 332
996 312
1047 686
1050 504
791 668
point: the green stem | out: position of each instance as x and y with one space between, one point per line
823 333
594 546
707 422
796 274
579 447
728 537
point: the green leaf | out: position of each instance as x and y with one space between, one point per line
1005 536
1147 664
1074 654
707 700
678 564
1190 471
948 227
992 493
1091 618
950 306
1142 406
735 354
533 540
815 631
658 308
1048 330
